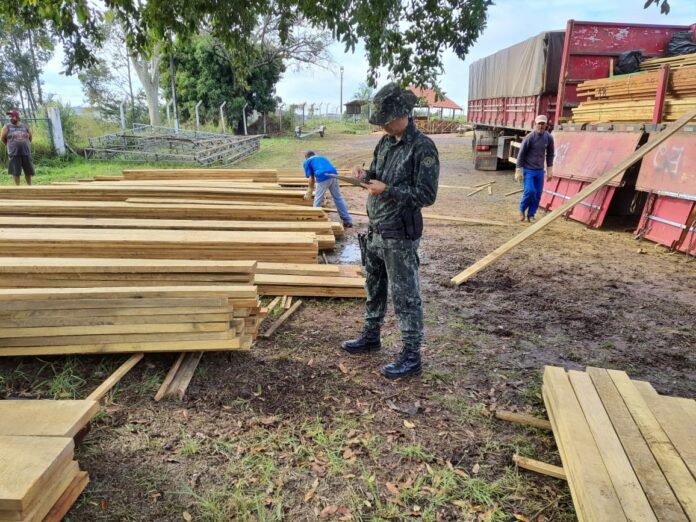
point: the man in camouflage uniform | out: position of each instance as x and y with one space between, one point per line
401 180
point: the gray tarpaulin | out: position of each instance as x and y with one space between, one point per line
528 68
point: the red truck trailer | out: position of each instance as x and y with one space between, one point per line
540 76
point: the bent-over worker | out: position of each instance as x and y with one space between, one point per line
319 169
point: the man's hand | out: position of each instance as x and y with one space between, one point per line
308 194
358 172
549 173
375 187
519 175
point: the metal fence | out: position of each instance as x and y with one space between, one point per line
148 143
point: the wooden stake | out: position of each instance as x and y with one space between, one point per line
521 418
591 188
477 190
539 467
169 377
518 191
440 217
280 320
113 379
490 190
271 305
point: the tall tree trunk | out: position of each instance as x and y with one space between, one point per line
130 88
37 76
148 72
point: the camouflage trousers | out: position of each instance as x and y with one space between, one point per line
391 266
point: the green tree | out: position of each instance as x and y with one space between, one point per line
205 71
25 51
407 37
662 4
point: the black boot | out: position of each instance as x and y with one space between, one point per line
408 363
368 341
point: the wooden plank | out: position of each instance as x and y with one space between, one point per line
45 418
675 422
43 294
27 265
521 418
476 191
630 494
115 377
671 464
587 474
48 497
69 497
67 319
657 489
539 467
271 305
28 464
108 329
558 212
169 377
166 305
185 374
128 347
582 517
278 322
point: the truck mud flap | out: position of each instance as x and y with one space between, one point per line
669 174
590 211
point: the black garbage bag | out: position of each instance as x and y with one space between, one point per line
681 43
628 62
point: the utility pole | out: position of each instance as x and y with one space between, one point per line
340 107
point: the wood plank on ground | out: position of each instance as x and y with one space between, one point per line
675 470
45 418
587 475
115 377
655 485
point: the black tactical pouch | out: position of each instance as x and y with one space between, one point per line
408 226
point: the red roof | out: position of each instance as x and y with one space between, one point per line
429 96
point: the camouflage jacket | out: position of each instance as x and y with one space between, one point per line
410 168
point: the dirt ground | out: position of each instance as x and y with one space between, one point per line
296 430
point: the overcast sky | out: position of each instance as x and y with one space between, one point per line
509 21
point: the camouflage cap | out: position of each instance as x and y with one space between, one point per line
391 103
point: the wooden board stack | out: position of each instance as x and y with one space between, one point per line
631 97
628 453
164 210
165 244
122 192
49 321
40 479
296 279
684 60
252 175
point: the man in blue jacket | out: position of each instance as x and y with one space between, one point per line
536 151
318 169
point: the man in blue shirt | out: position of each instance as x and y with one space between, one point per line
537 149
318 169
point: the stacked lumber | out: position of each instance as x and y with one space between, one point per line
293 279
39 479
684 60
179 210
631 98
118 192
289 177
326 231
628 452
45 418
49 321
297 247
253 175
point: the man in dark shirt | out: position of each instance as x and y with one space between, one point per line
17 137
401 180
537 149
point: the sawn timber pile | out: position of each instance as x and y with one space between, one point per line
628 452
253 175
50 321
165 244
306 280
